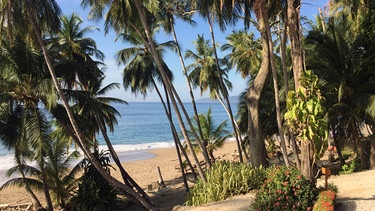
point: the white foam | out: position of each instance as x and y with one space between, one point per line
127 152
137 147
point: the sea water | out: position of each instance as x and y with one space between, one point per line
141 126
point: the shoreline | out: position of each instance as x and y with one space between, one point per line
144 172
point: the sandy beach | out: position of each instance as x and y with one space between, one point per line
356 191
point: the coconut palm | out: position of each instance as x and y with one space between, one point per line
39 15
223 13
27 86
61 177
170 10
214 136
138 17
140 74
75 52
346 81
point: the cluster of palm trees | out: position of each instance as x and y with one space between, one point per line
50 71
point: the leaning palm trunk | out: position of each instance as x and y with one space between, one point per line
117 184
125 176
187 117
188 83
175 138
167 82
225 93
236 128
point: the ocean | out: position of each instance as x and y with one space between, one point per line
141 126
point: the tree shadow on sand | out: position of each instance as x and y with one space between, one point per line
167 198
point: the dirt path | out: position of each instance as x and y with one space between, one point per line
356 191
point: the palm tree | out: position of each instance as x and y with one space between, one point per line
27 84
215 136
75 51
346 79
132 13
206 75
60 175
224 13
46 13
258 152
10 135
140 74
168 14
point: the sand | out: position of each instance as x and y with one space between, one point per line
356 191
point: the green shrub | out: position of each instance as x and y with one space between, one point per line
354 166
94 192
285 189
226 179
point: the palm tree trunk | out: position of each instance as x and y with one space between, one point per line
36 203
337 145
283 39
125 176
298 67
187 82
45 185
178 144
118 185
277 99
258 154
225 93
235 126
187 117
167 83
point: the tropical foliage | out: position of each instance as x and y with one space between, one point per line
226 179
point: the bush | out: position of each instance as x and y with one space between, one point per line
226 179
354 166
94 192
326 201
285 189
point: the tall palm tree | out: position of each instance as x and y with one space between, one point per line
26 84
40 14
139 17
140 74
206 75
171 10
258 152
224 13
75 52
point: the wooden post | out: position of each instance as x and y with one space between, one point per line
327 172
160 180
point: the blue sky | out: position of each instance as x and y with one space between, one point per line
186 34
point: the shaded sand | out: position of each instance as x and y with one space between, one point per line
356 191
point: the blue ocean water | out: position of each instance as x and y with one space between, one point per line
146 123
141 126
